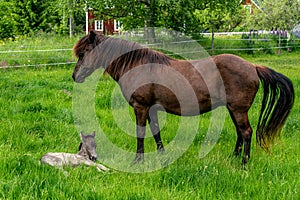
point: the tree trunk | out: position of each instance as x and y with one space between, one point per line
279 42
71 26
149 26
71 20
149 33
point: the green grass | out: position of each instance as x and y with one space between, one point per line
238 44
38 50
36 117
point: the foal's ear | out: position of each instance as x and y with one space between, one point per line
81 136
92 36
80 145
94 133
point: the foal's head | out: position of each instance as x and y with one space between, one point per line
87 147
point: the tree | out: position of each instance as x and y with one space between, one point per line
8 26
181 15
277 14
178 15
30 15
70 15
133 13
21 17
217 15
188 16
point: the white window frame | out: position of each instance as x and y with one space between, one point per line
248 7
117 25
99 25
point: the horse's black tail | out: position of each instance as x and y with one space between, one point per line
277 103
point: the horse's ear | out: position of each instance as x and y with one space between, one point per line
94 133
92 36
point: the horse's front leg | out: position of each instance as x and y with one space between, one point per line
154 126
141 114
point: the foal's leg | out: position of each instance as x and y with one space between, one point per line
154 126
244 131
98 166
141 114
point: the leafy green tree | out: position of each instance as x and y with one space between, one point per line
276 14
133 13
21 17
29 15
8 26
181 15
218 14
178 15
188 16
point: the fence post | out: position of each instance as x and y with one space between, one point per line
279 42
212 41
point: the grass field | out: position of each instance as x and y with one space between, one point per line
36 116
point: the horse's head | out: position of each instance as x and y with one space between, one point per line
87 147
87 59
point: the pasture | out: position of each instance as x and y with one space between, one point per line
36 117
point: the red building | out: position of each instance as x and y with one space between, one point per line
251 5
107 27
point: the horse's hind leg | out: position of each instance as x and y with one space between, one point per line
239 141
154 126
244 132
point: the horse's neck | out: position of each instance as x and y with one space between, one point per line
112 48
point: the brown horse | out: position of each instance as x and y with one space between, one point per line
151 80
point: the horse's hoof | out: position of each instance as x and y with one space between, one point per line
245 160
161 151
237 153
138 159
136 162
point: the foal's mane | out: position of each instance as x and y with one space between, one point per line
119 56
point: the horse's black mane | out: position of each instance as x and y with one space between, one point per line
85 41
118 56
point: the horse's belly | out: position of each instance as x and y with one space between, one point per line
188 109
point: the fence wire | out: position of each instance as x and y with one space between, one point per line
42 56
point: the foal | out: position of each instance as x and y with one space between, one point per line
87 155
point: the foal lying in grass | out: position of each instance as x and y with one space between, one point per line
87 155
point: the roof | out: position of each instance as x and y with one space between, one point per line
256 3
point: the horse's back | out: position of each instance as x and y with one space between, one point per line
53 159
236 66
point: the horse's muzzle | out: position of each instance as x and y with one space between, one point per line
77 79
93 158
